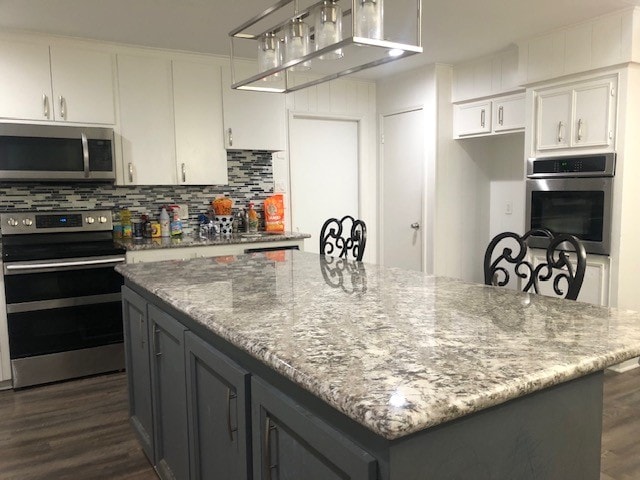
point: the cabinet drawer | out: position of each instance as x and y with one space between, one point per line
472 119
289 442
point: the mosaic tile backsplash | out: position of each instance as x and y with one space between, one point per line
250 179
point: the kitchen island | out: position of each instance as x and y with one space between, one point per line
304 366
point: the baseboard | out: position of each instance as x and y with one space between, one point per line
626 365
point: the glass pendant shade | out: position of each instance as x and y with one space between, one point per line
269 54
296 43
369 19
328 28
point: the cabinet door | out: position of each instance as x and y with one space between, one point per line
553 126
200 152
82 83
136 345
290 443
252 120
472 119
508 114
146 120
169 395
217 391
25 82
594 114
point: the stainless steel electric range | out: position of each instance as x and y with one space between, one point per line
62 294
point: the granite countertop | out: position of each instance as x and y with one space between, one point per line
195 241
397 351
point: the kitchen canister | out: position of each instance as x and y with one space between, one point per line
225 223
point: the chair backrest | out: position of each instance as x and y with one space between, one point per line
339 238
556 267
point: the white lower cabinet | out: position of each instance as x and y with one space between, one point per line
187 253
595 287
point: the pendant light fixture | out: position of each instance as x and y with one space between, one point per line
328 28
369 19
296 43
347 36
269 54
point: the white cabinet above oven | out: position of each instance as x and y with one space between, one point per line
579 115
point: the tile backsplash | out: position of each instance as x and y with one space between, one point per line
250 179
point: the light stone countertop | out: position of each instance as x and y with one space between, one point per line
395 350
185 241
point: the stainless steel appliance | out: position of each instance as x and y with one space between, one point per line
54 153
573 195
62 294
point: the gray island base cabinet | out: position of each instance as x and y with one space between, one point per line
263 368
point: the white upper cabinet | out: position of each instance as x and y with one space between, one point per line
200 152
146 123
25 82
252 120
472 118
61 83
82 83
579 115
498 115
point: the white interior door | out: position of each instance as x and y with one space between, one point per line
324 173
402 182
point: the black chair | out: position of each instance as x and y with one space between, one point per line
558 265
339 238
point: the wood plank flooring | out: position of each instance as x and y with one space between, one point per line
79 430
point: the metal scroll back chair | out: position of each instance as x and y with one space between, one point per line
557 265
344 237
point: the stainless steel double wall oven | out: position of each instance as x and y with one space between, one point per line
63 295
574 195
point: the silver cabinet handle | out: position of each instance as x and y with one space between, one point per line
156 346
579 129
267 448
230 429
501 115
141 332
482 119
415 226
63 107
560 127
130 172
85 155
184 172
45 105
230 137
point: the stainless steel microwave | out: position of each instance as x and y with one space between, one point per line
572 195
56 153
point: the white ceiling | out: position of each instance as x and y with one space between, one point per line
453 30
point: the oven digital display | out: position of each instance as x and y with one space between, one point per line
58 221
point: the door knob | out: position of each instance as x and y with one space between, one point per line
415 226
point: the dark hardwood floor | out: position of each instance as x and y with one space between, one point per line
79 430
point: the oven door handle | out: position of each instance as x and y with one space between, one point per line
17 268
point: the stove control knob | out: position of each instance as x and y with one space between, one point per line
12 222
27 222
90 220
102 219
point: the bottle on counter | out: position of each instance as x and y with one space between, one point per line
252 216
125 220
117 224
146 226
175 224
165 230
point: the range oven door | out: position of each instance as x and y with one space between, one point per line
64 304
577 206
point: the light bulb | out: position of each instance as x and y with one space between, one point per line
369 19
